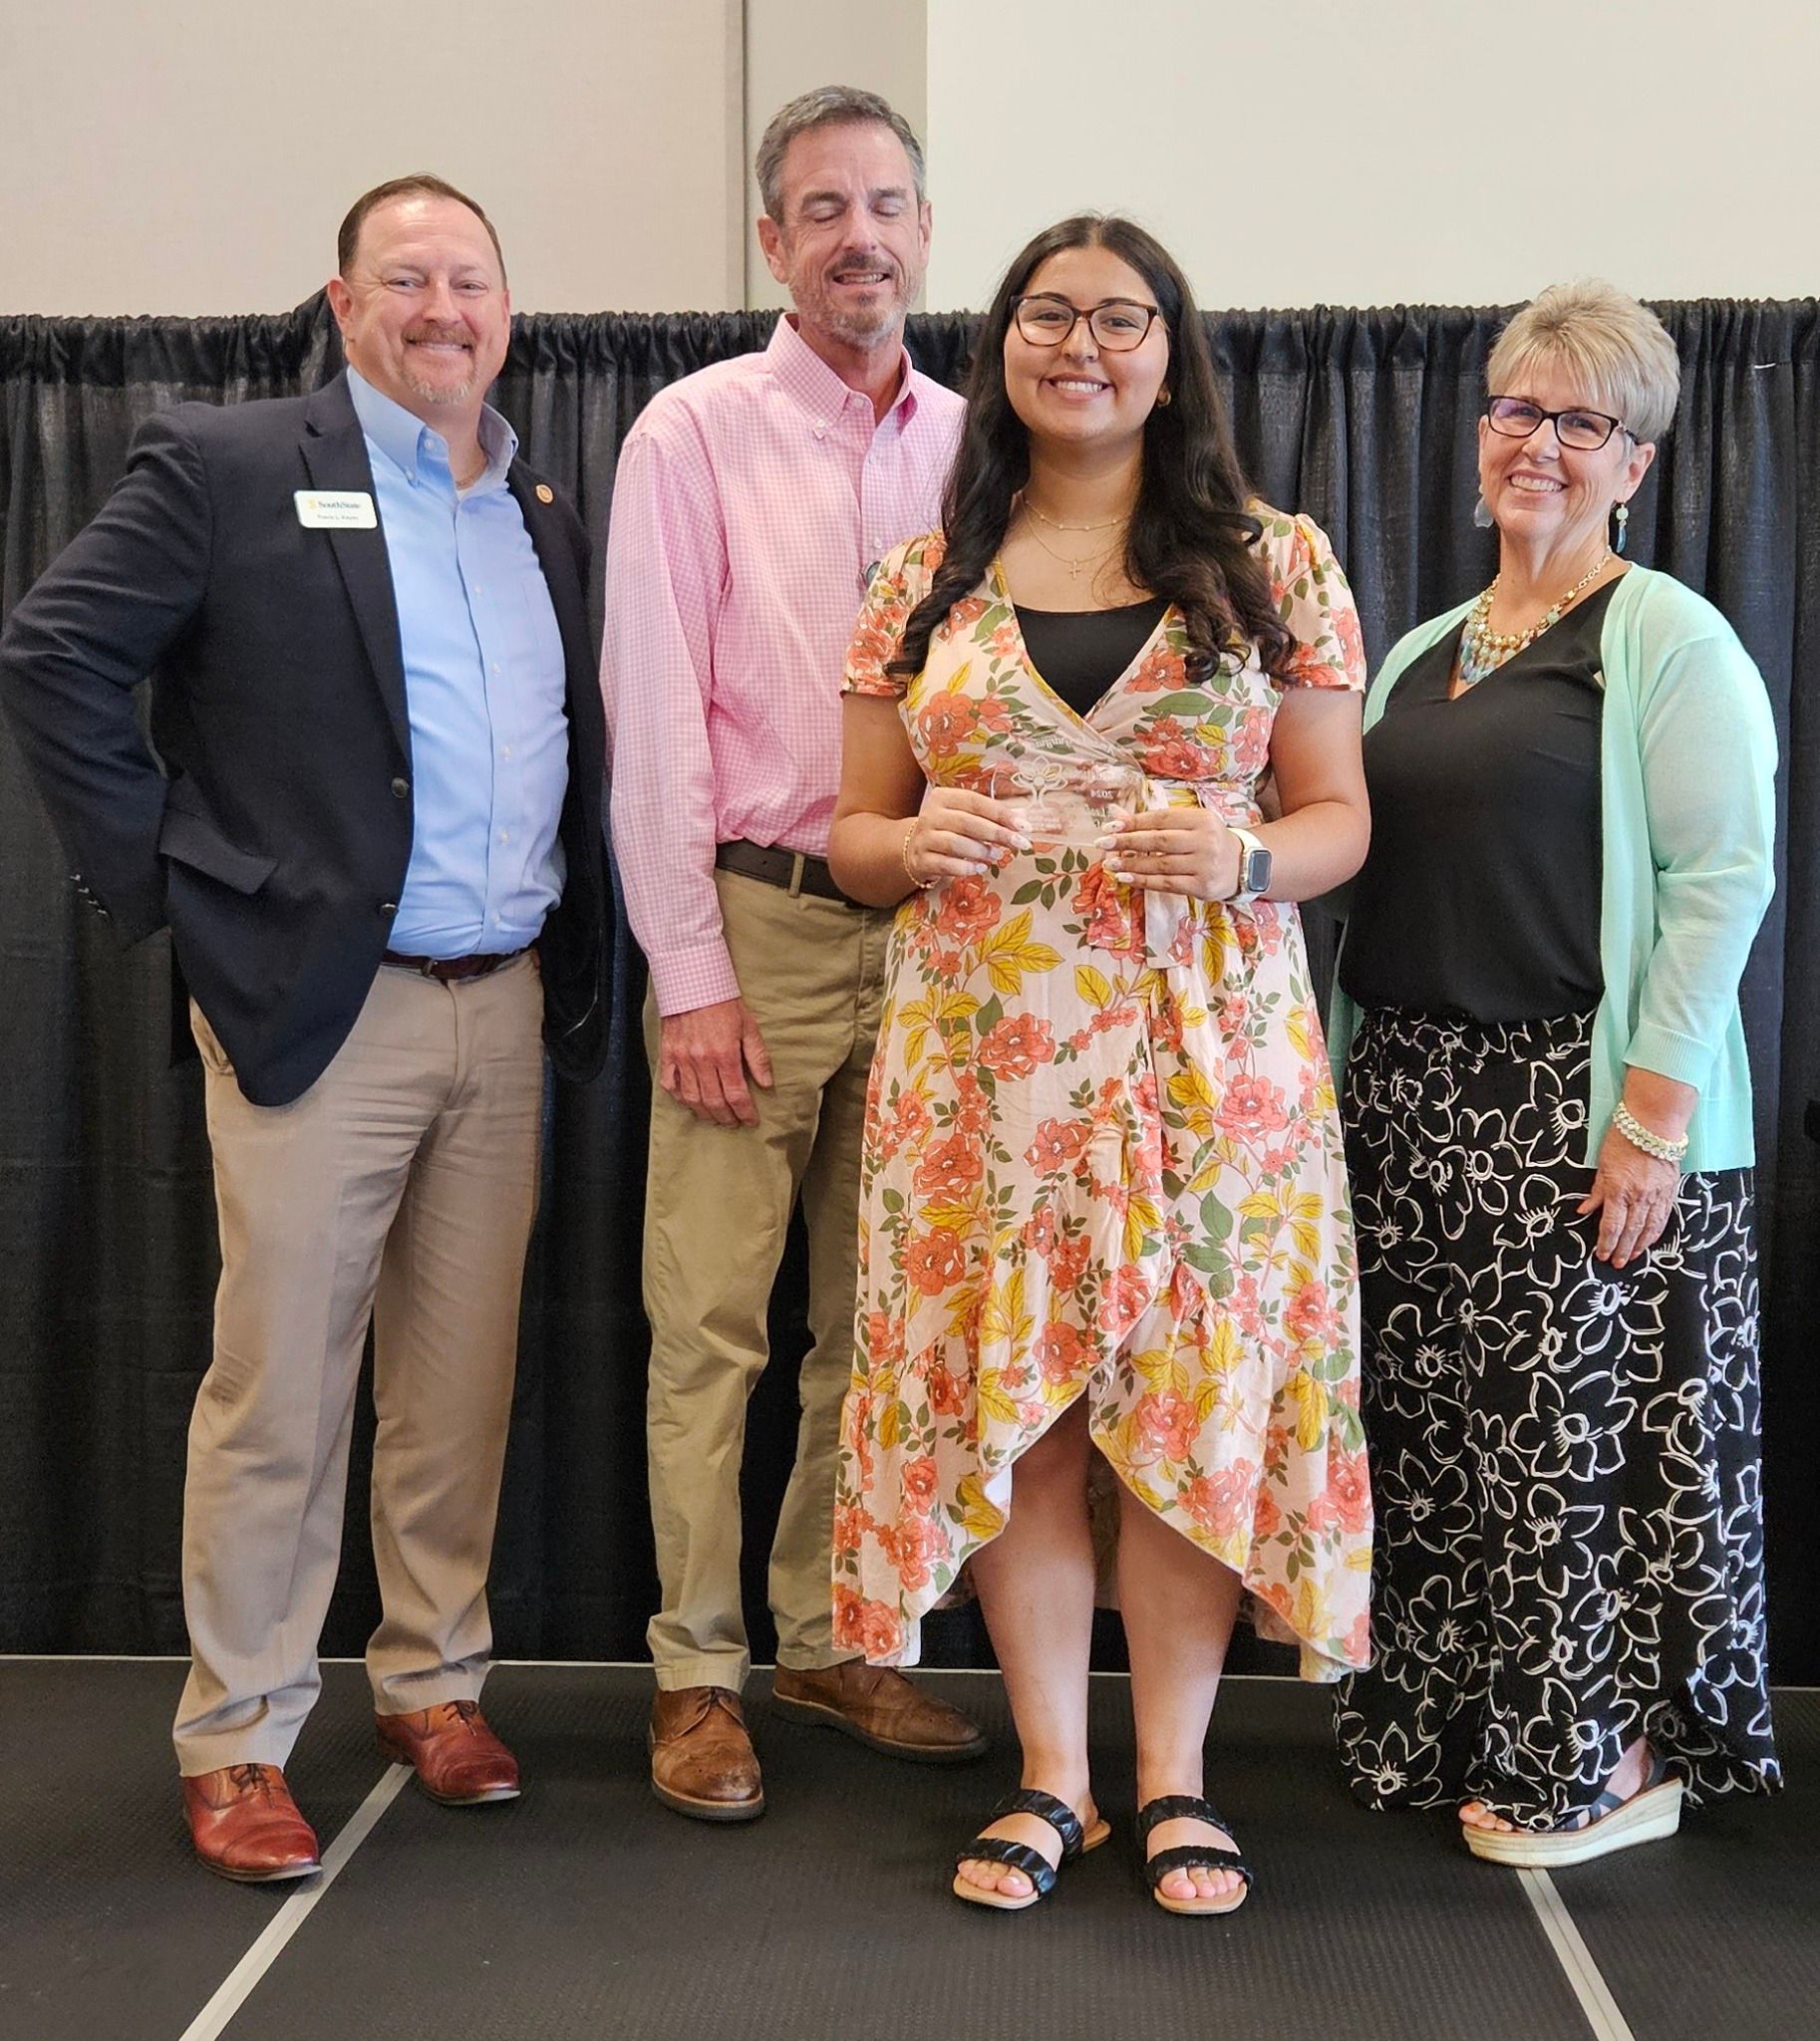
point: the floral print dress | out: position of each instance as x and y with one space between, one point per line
1102 1156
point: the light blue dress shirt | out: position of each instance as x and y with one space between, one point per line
483 686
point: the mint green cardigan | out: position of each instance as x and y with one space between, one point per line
1687 761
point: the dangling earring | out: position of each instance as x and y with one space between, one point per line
1622 511
1164 398
1481 513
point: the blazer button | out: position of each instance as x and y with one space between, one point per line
401 788
386 908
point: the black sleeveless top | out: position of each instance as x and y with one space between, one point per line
1481 894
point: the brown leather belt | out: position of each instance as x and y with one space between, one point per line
794 870
451 969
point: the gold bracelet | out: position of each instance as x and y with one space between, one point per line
1660 1147
921 885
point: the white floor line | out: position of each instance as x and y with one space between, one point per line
1584 1977
239 1982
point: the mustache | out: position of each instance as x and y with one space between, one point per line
431 331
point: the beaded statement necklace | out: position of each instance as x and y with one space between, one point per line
1483 650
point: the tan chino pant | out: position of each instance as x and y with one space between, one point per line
718 1206
400 1187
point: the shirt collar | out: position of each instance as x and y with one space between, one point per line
816 388
407 441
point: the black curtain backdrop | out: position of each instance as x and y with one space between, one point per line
1366 419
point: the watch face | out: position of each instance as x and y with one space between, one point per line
1254 872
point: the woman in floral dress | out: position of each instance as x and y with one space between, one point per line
1104 1204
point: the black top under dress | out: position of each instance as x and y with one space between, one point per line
1081 653
1481 893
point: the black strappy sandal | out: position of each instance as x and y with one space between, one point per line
1075 1841
1178 1807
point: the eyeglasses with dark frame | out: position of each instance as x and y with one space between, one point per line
1584 430
1046 319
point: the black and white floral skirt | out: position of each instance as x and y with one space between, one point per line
1564 1455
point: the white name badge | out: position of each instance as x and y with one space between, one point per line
336 510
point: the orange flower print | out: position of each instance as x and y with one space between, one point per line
905 1121
935 1260
969 909
884 1339
912 1546
1112 915
951 723
1165 1421
1170 752
882 1631
1221 1502
947 1392
1309 1318
851 1524
1056 1144
921 1484
1124 1300
1266 1518
849 1619
1016 1046
1039 1231
1061 1354
1252 1106
1349 1489
1158 671
950 1168
1068 1261
972 1109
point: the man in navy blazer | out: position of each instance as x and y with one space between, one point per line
372 824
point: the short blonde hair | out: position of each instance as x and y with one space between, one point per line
1602 334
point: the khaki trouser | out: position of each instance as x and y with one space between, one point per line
718 1206
400 1187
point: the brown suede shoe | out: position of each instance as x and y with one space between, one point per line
458 1759
879 1706
245 1825
702 1760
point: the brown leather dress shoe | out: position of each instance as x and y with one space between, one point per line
702 1760
458 1759
245 1825
879 1707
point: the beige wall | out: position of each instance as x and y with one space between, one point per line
196 155
1377 152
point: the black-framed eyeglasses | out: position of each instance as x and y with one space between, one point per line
1584 430
1117 324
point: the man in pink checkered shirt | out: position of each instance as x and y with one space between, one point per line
751 502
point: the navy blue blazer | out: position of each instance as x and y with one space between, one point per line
271 827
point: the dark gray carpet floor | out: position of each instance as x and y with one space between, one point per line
587 1910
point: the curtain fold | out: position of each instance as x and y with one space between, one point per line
1364 418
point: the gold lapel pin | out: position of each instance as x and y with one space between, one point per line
545 494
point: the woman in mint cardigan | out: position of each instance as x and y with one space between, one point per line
1549 1130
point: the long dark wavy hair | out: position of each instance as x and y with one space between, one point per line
1191 538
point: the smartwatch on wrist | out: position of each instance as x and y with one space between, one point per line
1254 869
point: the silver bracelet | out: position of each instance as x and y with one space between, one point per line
1650 1142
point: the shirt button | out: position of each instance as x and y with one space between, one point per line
401 788
505 835
505 750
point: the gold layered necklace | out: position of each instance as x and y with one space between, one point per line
1483 650
1094 559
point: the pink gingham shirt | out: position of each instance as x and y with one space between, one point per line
751 498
